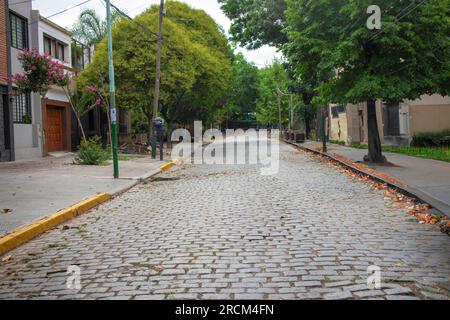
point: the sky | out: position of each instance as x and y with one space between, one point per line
260 57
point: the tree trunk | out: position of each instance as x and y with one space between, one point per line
307 126
375 155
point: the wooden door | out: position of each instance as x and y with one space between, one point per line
54 134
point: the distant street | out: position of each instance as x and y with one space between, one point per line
226 232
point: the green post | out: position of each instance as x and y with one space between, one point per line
112 94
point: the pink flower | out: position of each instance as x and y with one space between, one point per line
98 102
90 89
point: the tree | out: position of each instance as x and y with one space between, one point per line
90 29
256 22
407 58
244 94
41 72
271 103
196 65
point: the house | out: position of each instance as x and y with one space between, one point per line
56 113
397 123
6 126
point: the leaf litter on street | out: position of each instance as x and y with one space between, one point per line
396 199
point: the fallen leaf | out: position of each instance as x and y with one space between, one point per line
6 210
7 258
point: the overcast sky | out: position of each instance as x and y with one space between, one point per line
260 57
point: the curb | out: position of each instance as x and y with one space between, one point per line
408 191
24 234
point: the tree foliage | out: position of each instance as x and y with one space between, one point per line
244 93
272 79
195 60
346 62
256 22
90 29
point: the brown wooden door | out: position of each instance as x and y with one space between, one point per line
54 135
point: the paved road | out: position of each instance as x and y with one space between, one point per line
227 232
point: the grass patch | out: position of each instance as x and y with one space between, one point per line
440 154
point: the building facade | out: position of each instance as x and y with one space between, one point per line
397 123
26 110
6 126
56 113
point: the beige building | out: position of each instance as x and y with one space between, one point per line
397 123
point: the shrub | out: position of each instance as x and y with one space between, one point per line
90 152
429 139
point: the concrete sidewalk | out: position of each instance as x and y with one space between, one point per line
33 189
426 178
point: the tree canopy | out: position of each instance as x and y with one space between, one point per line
195 60
256 22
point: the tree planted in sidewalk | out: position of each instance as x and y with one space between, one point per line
42 72
407 58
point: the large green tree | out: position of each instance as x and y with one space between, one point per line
407 58
256 22
196 65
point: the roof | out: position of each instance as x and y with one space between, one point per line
54 25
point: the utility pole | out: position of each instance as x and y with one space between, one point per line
158 75
112 94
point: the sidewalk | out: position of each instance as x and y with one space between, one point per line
33 189
428 179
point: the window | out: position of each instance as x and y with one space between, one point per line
22 108
48 45
341 108
54 48
19 32
60 52
334 112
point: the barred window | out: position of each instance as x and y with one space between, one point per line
22 108
19 32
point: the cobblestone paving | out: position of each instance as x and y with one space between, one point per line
226 232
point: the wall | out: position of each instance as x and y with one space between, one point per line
337 126
27 137
3 44
429 114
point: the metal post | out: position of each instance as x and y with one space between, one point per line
112 94
158 75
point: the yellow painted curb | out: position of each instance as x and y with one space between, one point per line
167 166
24 234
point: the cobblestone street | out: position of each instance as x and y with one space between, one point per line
227 232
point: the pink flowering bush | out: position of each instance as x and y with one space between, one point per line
40 72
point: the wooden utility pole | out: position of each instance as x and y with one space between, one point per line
158 73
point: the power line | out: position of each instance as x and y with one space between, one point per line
65 10
399 16
52 15
131 19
